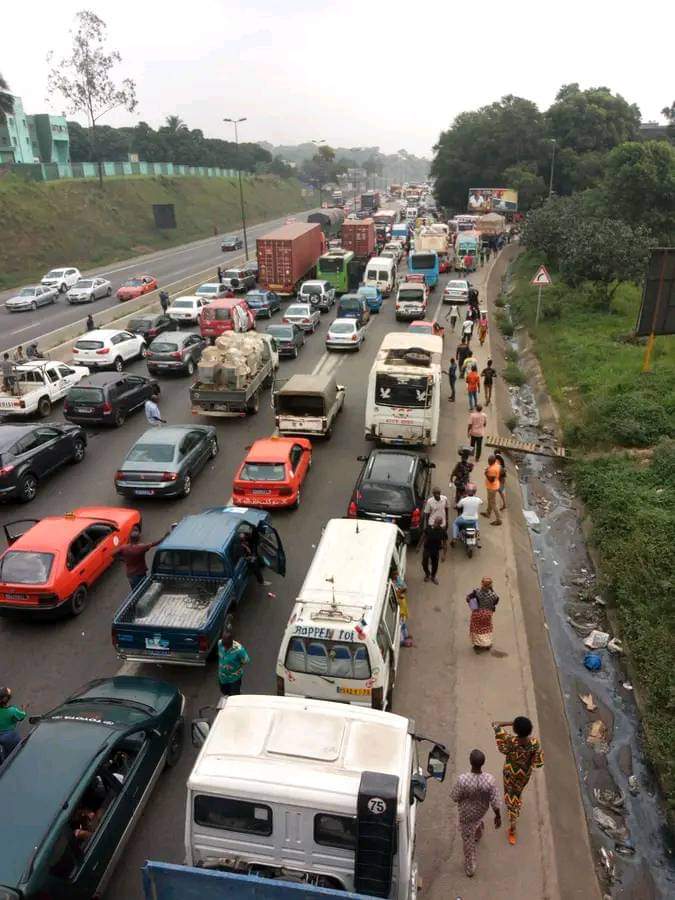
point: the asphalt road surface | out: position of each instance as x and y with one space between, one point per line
168 266
73 651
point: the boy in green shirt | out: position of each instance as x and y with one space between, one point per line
232 658
9 716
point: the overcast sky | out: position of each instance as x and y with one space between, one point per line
352 72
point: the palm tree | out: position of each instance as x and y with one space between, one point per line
6 101
174 124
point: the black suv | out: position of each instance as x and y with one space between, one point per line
175 351
392 487
149 325
28 453
107 398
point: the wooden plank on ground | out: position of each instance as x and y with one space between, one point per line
511 443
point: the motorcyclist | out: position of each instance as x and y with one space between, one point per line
461 473
468 507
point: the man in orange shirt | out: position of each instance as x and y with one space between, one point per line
473 386
492 473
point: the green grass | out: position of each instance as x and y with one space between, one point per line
608 405
513 374
75 222
504 324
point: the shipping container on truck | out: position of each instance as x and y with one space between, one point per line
370 200
288 255
358 235
330 221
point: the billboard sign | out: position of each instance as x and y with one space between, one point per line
657 311
485 200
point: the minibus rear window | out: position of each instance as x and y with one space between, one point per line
329 658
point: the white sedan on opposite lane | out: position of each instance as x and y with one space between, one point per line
61 279
345 334
31 297
86 290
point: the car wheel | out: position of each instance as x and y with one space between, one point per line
295 352
329 434
44 407
254 404
190 368
27 488
118 365
213 451
174 748
108 293
33 306
143 352
187 485
296 505
78 450
119 418
78 601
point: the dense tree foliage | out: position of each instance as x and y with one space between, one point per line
6 100
640 186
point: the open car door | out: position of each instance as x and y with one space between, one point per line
270 548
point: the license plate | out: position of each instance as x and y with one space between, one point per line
16 596
145 492
355 692
82 409
162 365
260 491
156 643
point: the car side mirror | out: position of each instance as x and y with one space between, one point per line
431 465
362 458
34 720
418 788
437 763
200 731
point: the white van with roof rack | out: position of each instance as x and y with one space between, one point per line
342 641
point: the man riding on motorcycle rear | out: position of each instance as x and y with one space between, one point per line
462 472
468 508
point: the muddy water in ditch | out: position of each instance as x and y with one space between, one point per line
623 806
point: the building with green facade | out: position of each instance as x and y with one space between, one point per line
33 139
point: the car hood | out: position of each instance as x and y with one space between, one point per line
17 301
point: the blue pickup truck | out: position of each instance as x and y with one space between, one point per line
199 573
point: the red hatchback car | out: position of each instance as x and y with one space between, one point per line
272 473
136 287
223 314
51 566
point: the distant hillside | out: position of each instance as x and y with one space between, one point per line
396 167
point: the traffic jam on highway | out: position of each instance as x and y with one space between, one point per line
180 468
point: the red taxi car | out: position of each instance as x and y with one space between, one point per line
51 565
136 287
419 326
272 473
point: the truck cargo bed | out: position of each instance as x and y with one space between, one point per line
173 603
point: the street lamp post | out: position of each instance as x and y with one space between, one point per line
550 178
318 144
236 122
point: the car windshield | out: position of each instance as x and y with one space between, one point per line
393 497
263 472
352 305
342 327
412 391
25 567
83 284
163 347
156 453
89 345
139 324
281 332
85 395
256 299
54 273
208 289
312 290
367 292
423 260
27 292
233 273
134 282
420 329
182 304
411 294
297 311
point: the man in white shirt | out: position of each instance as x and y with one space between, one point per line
152 413
468 507
436 508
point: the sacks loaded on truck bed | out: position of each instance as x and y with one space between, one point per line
232 375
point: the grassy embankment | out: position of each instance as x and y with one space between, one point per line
73 222
609 412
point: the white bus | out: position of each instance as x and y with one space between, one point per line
404 390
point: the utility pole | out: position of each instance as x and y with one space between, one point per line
318 143
236 122
550 179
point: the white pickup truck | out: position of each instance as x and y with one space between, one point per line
38 385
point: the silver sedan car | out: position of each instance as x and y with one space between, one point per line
303 315
31 297
86 290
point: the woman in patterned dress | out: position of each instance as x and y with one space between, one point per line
482 603
523 754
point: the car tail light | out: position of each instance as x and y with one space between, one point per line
152 332
281 687
48 599
75 350
103 351
6 470
119 475
203 643
176 355
106 408
285 491
416 518
306 321
169 476
352 511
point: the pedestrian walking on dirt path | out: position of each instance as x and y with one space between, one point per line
462 353
488 375
482 603
453 315
474 793
232 658
492 475
502 478
523 754
452 378
473 386
434 539
476 430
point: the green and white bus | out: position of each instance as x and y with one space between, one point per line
336 267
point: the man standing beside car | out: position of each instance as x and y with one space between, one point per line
152 413
232 658
133 555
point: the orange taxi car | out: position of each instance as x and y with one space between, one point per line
51 565
272 473
136 287
419 326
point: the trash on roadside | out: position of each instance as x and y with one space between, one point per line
633 785
615 645
583 627
593 662
599 600
588 701
611 799
597 640
531 517
625 848
627 686
597 736
607 862
604 821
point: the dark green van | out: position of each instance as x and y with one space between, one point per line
77 784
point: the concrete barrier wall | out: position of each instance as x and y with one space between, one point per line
56 171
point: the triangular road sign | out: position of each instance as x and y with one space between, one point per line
542 277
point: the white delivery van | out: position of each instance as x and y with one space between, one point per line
320 794
381 273
343 637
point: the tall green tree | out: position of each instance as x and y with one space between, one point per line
174 124
640 186
591 120
84 77
6 101
531 187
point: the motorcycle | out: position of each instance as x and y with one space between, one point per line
468 535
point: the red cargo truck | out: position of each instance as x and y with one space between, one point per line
288 255
358 235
